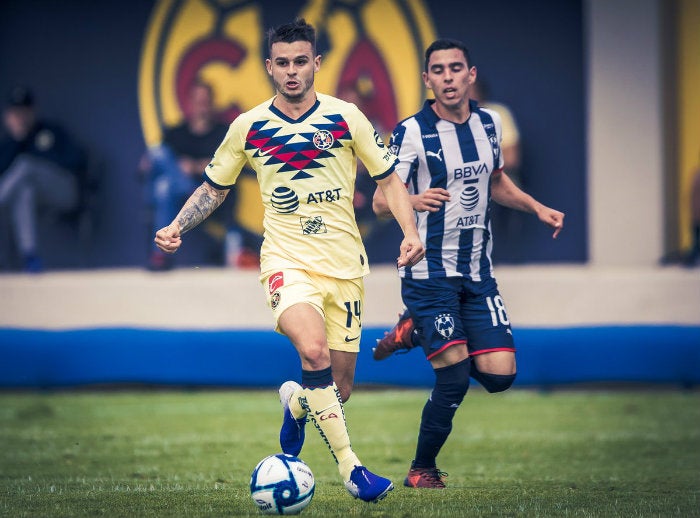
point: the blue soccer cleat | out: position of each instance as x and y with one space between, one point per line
367 486
292 431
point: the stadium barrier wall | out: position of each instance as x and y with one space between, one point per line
261 358
212 327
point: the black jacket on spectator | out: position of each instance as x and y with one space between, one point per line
47 141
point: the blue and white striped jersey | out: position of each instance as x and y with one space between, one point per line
460 158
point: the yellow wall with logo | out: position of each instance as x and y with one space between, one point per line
399 31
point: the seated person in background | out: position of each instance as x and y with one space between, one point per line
177 164
40 167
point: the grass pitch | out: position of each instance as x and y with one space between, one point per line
521 453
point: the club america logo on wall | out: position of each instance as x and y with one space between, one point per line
371 55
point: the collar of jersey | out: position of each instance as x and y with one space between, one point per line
432 118
300 119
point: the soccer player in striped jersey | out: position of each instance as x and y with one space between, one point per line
303 146
450 160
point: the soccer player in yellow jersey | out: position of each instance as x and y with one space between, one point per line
303 146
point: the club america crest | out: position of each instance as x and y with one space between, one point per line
323 139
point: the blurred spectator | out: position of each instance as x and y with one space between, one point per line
510 143
381 237
364 185
507 224
40 168
692 258
175 167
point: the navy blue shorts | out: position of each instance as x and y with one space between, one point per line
454 310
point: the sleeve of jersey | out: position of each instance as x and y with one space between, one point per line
404 147
369 146
499 133
228 160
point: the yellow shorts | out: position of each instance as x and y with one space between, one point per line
339 301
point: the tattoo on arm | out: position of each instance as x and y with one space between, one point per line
200 205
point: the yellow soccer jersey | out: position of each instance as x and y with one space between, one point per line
306 170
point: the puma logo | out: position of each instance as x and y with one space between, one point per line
436 155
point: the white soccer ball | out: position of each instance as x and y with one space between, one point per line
282 484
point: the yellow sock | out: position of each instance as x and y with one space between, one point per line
326 413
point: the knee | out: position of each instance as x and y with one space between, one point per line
314 356
451 384
495 382
313 360
495 371
159 154
161 188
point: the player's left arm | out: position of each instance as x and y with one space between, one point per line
506 193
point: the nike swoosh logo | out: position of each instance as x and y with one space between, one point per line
319 412
268 151
348 339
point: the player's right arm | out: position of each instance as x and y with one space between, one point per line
220 174
429 200
204 200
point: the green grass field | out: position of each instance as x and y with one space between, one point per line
521 453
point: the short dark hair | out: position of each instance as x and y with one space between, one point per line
298 30
445 44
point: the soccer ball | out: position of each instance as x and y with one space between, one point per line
282 484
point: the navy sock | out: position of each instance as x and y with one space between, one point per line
316 379
451 385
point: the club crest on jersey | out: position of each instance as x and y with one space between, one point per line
493 139
323 139
445 325
275 299
313 225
